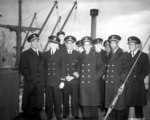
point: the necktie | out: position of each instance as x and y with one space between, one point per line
52 52
70 52
37 52
132 54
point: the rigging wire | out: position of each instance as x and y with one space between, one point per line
78 19
74 21
6 40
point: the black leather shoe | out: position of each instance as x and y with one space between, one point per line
64 117
76 117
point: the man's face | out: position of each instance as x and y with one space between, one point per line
35 44
98 47
107 48
133 47
69 45
53 45
87 46
114 45
61 37
80 49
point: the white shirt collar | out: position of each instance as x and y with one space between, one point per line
34 49
135 51
115 50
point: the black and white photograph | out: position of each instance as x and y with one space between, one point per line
74 59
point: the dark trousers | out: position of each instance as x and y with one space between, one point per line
53 99
139 111
90 113
71 90
117 115
33 100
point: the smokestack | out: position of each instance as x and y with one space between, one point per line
94 14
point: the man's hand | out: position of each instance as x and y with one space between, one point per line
120 90
43 115
69 78
76 74
62 84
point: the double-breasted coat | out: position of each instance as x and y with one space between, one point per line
102 56
54 72
31 67
54 68
117 70
90 71
72 87
135 87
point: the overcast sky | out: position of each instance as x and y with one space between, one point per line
122 17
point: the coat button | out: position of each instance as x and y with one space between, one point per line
112 65
82 64
83 76
82 82
88 64
72 63
112 71
53 63
89 76
107 70
88 81
67 64
106 81
134 76
112 76
112 81
88 70
107 75
68 69
82 70
107 65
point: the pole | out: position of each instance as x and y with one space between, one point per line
47 18
120 90
59 19
28 32
149 72
75 3
18 50
94 14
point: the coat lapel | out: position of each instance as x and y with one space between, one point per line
32 52
116 55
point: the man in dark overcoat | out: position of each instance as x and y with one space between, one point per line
61 36
90 71
97 43
117 70
135 87
54 71
71 88
31 67
79 46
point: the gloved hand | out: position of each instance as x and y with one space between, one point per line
43 115
76 74
69 78
62 84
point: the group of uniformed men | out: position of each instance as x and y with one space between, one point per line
88 77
